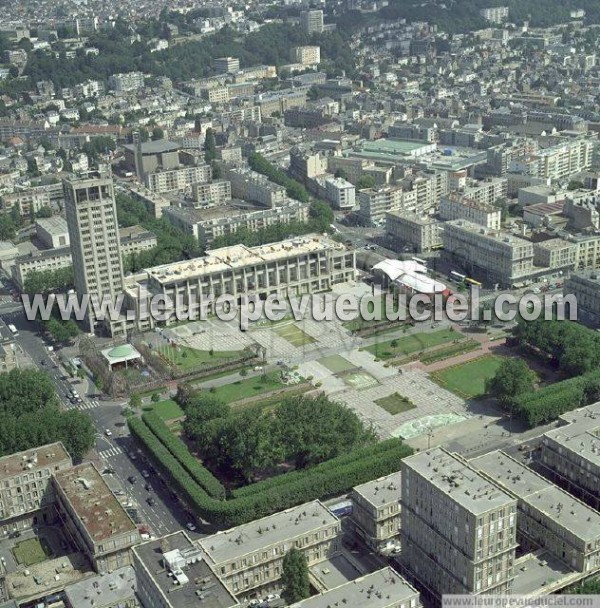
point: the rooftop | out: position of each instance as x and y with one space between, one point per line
382 491
592 276
283 526
135 233
36 458
91 499
239 256
41 254
382 589
53 225
540 494
487 233
109 589
463 484
155 147
196 578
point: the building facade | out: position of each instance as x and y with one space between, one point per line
423 233
455 206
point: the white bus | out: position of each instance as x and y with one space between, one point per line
13 329
459 278
420 261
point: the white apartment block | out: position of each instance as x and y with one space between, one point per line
249 558
487 192
571 453
455 206
458 527
29 201
251 186
26 492
208 224
181 179
585 286
496 14
502 257
39 261
340 193
423 233
52 231
307 264
549 516
306 55
375 203
130 81
93 231
227 65
556 253
311 21
213 193
376 511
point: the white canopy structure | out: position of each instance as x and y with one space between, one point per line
410 275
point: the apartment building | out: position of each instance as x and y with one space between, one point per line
456 206
40 261
427 187
213 193
134 239
311 21
208 224
423 233
306 55
227 65
307 264
375 203
130 81
488 191
280 101
547 516
172 573
216 95
556 254
559 161
340 193
585 286
28 201
501 257
251 186
114 590
495 14
26 491
376 511
93 231
458 528
381 589
588 250
180 179
306 166
94 517
53 231
249 558
155 203
571 453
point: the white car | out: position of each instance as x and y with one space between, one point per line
108 433
190 526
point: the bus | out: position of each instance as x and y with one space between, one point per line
420 261
457 277
13 329
472 282
342 509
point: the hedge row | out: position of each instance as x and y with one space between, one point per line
319 482
286 478
201 475
552 401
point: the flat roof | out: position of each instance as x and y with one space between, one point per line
239 256
463 484
200 576
392 146
135 233
581 434
39 458
155 147
380 589
98 508
44 254
248 538
53 225
592 276
111 589
382 491
499 236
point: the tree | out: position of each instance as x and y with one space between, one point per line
135 401
340 173
512 379
366 181
7 228
210 146
295 580
44 212
157 133
155 397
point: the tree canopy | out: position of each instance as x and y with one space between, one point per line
513 378
294 578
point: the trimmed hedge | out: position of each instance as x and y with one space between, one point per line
339 476
201 475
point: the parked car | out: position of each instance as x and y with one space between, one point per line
132 479
108 433
151 501
145 474
190 526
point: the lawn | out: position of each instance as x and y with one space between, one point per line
31 551
395 404
249 387
166 409
412 344
294 335
376 308
336 364
468 379
186 357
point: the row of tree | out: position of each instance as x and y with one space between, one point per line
300 430
31 416
331 478
293 188
49 281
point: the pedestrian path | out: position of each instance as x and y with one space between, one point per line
112 451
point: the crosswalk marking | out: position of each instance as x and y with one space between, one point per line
86 405
112 451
